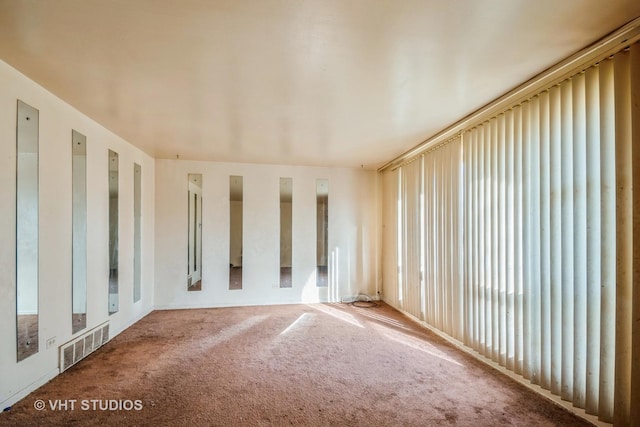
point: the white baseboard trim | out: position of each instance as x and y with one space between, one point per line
233 304
19 395
516 377
131 322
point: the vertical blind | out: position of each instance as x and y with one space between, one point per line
442 304
521 238
411 215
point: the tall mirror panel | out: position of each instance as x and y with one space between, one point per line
27 230
79 231
286 203
194 270
137 232
235 232
113 232
322 227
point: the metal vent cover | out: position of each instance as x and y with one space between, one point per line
83 345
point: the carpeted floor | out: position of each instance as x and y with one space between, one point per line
316 365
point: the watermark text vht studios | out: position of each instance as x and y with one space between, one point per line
88 405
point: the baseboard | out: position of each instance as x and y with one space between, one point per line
116 332
232 304
19 395
512 375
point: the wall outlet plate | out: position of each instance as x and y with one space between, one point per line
51 342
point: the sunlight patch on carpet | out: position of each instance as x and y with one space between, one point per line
297 323
412 342
345 317
229 332
368 312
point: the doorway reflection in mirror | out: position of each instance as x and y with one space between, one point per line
322 240
113 232
137 232
235 232
286 203
79 231
27 201
194 278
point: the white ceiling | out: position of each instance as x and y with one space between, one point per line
307 82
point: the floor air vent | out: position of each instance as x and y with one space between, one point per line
83 345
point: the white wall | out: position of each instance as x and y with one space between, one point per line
57 119
352 234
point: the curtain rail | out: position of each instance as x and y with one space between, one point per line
601 49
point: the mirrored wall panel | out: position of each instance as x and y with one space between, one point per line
322 240
79 231
286 201
137 232
235 232
113 232
27 230
194 278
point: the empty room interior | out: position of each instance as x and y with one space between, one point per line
311 212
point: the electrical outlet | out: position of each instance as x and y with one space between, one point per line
51 342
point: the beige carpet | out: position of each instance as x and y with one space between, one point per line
318 365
